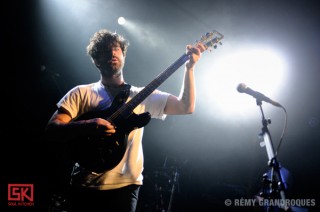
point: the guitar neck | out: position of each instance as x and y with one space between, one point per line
148 89
153 85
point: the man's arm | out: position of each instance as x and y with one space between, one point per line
185 103
61 126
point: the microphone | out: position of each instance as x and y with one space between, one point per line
243 88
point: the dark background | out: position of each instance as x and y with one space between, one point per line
215 158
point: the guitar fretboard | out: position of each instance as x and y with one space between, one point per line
127 108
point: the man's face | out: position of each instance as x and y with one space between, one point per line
111 61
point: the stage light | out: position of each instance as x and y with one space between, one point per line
261 68
121 20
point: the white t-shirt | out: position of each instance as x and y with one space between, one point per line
85 98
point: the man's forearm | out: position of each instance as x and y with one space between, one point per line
188 92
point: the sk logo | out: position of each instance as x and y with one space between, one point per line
20 192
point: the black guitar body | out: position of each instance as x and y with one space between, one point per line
97 153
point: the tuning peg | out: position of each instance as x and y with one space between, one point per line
208 34
220 43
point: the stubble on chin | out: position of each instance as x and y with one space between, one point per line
111 72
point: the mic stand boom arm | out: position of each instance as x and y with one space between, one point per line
277 187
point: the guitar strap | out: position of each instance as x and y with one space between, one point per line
127 88
114 91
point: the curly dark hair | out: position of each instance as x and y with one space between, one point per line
104 40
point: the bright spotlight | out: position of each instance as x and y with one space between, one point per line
121 20
260 67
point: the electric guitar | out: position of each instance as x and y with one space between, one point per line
98 154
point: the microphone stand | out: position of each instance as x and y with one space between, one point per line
274 187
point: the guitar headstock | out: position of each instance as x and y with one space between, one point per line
211 39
